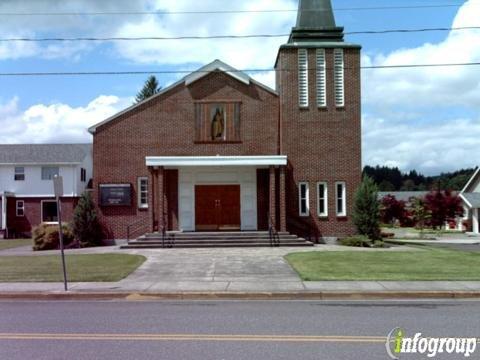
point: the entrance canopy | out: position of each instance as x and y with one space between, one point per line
179 161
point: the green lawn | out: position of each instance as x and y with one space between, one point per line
80 268
10 244
429 264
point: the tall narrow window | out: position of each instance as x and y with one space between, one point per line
340 189
339 78
20 207
19 173
322 193
303 78
83 175
142 193
303 199
321 79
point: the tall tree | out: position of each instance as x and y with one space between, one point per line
86 226
150 88
366 214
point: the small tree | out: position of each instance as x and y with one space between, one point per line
150 88
421 214
392 209
443 206
86 227
366 215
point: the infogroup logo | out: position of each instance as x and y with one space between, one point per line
398 344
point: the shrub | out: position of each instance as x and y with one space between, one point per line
46 237
392 210
366 214
86 227
443 206
356 241
387 235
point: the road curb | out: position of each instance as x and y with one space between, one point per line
323 295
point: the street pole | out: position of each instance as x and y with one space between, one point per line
58 188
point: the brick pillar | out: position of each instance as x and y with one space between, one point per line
282 200
161 197
272 205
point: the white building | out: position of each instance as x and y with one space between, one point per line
26 187
471 200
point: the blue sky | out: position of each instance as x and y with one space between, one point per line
423 119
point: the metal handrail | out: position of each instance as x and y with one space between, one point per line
273 233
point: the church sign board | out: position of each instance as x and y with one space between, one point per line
115 195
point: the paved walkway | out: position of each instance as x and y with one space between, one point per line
225 270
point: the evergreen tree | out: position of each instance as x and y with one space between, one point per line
86 226
150 88
366 215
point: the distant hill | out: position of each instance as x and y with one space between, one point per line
392 179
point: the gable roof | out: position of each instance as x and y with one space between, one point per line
472 179
471 199
216 65
37 154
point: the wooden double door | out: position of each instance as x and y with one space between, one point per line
217 208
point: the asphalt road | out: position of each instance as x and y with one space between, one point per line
224 329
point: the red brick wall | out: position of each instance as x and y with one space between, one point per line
164 126
23 225
321 144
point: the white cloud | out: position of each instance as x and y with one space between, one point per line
244 53
435 86
15 26
411 117
431 148
56 123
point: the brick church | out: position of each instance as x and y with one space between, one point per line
218 151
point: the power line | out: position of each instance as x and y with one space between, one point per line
164 72
211 37
128 13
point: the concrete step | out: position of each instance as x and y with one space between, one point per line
215 241
215 245
208 238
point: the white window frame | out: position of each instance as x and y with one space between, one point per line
41 211
325 199
306 199
321 79
15 173
18 207
142 205
343 198
339 77
48 167
303 78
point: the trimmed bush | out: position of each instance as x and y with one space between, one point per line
46 237
356 241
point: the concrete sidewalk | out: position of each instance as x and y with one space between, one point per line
266 286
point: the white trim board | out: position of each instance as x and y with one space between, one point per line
181 161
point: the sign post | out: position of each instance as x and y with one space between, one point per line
58 189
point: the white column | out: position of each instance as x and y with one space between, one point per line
475 228
3 223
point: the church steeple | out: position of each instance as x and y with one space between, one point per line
315 23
